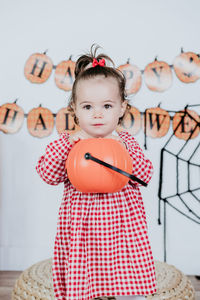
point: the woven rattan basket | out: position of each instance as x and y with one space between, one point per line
35 283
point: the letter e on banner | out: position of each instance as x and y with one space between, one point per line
186 125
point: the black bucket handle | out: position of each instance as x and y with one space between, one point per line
101 162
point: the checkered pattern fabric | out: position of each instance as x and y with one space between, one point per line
101 245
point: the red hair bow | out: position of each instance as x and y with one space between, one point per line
100 63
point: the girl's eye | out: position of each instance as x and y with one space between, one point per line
107 106
87 106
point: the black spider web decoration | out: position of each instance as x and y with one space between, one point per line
179 183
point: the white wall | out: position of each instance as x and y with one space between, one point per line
136 29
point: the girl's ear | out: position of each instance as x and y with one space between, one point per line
123 107
73 106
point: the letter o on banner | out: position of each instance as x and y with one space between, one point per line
38 68
11 117
40 122
131 122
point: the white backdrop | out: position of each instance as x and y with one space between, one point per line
136 29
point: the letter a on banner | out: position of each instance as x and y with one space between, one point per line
40 122
64 75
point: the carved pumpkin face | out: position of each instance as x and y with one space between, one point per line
183 124
187 67
88 176
40 122
158 76
38 68
65 122
64 75
133 78
131 122
11 117
157 122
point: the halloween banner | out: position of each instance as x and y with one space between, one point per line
154 122
157 75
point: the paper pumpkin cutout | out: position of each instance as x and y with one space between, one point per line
64 75
131 122
11 117
157 122
184 123
38 68
158 76
40 122
187 67
133 77
65 121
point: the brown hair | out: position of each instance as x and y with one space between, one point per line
83 71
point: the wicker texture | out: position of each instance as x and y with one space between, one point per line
36 283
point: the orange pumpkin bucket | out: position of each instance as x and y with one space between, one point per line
99 165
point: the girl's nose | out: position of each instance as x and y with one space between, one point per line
98 113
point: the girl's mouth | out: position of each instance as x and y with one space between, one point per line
97 124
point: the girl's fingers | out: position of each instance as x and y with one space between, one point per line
77 136
80 136
117 138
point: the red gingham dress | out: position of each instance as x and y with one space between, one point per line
101 245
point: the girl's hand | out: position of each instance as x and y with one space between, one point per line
117 138
79 135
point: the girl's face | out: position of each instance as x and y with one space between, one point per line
98 106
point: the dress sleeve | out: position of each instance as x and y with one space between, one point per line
142 166
51 165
